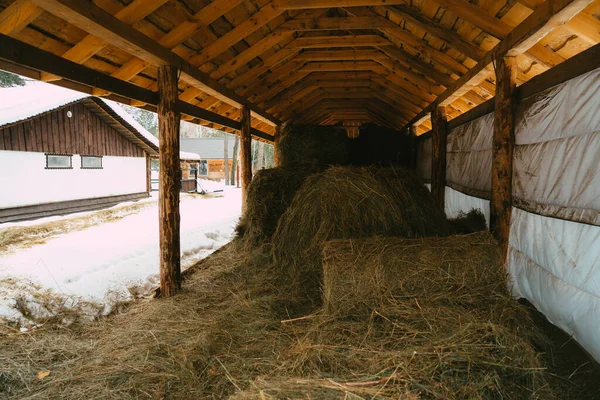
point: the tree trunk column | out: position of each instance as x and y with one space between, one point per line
245 153
169 181
439 122
502 151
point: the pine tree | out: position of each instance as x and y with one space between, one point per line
9 80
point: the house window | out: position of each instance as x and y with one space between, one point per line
203 168
91 162
59 161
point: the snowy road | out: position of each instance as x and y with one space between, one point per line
93 270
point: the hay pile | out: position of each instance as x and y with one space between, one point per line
473 221
412 318
269 195
349 202
227 335
362 275
314 146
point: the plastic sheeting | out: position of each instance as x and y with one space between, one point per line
469 157
557 152
457 202
555 264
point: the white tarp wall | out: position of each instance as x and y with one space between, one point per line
554 247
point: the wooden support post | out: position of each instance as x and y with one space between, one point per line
439 128
169 181
412 134
245 153
502 151
276 160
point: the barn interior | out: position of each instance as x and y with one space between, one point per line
436 160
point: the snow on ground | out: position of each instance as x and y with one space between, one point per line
94 270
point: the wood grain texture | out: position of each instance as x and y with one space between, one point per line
439 122
502 151
54 132
169 182
245 153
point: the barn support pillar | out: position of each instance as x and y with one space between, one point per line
276 160
169 181
502 151
245 153
439 122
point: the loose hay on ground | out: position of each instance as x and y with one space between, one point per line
350 202
269 195
224 335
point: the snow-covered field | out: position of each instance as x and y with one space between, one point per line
92 271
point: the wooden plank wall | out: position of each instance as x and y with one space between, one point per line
54 132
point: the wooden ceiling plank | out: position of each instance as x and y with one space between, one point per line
313 42
179 34
249 26
25 55
406 38
91 45
269 41
17 16
542 21
451 38
302 4
98 22
418 65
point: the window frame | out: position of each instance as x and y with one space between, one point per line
59 155
202 162
91 156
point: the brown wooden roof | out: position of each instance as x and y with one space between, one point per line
304 61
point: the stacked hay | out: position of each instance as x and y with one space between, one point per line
473 221
311 145
363 275
349 202
269 195
412 319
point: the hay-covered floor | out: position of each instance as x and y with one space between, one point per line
232 331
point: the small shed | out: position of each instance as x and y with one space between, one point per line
62 151
212 155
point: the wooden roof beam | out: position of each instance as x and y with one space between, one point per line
98 22
302 4
404 37
541 22
85 79
90 45
17 16
416 17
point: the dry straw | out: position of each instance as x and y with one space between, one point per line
350 202
313 145
269 195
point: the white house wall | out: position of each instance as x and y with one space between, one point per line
24 179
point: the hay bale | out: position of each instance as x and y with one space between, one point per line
349 202
269 195
473 221
362 275
311 145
